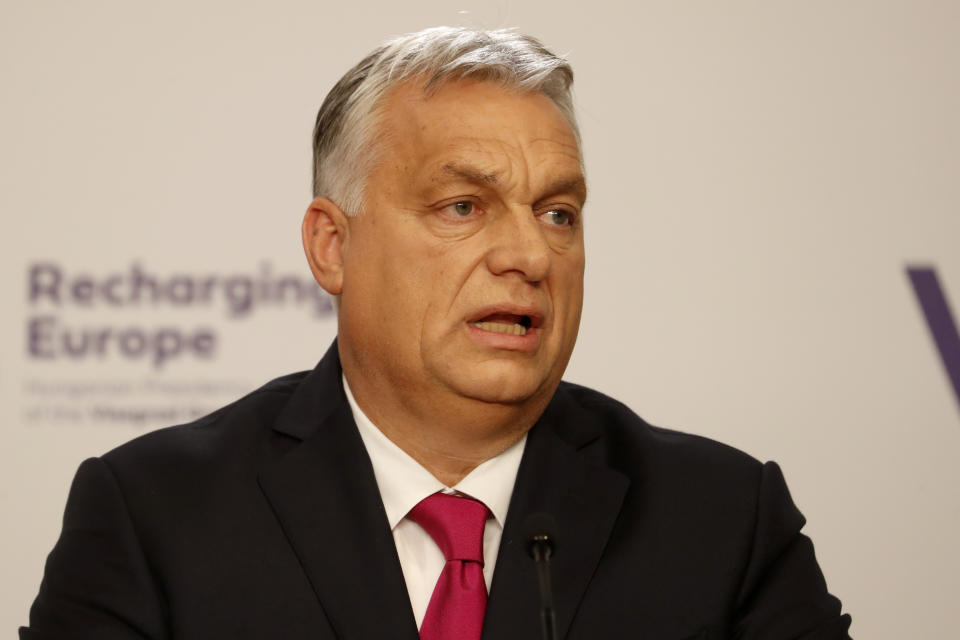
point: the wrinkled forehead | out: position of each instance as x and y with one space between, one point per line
473 115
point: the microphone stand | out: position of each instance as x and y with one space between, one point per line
540 545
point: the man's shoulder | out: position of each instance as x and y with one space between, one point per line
636 447
224 432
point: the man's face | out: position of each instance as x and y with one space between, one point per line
471 234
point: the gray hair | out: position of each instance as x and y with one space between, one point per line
343 149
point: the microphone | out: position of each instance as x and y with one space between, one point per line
540 534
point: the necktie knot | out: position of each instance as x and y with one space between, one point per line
455 523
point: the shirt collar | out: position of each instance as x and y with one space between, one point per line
404 482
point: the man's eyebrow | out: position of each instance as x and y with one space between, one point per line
469 174
576 185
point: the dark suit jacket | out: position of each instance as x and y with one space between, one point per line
263 520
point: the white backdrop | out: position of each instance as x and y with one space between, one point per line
761 174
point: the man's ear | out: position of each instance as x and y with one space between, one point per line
325 233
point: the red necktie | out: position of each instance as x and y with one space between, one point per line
459 600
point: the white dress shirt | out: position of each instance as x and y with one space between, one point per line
403 482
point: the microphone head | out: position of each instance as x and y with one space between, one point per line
539 528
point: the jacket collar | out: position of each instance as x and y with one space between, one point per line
563 474
326 499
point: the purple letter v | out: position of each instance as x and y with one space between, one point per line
943 327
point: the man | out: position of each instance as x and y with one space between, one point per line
384 494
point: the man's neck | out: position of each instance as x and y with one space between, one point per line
448 436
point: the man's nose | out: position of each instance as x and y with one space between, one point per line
520 246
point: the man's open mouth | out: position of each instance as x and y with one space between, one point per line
507 323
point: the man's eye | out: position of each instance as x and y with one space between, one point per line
557 217
461 209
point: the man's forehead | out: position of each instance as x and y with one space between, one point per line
412 102
480 132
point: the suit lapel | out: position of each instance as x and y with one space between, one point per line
559 475
325 496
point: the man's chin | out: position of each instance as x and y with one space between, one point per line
501 385
498 396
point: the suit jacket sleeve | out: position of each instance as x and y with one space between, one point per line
784 594
97 583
